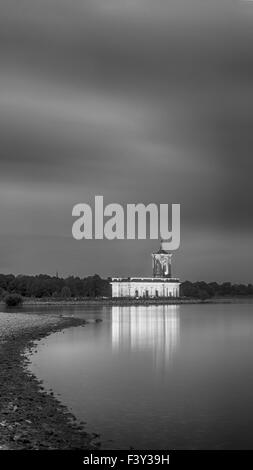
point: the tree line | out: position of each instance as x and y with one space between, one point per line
43 285
94 286
204 290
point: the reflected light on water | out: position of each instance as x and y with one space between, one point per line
138 329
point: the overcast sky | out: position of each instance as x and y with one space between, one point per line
136 100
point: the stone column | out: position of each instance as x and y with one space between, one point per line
170 265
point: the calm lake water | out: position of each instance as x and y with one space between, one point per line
157 377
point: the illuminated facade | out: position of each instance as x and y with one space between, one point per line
162 284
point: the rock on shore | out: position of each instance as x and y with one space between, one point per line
31 418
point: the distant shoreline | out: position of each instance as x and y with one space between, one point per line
122 301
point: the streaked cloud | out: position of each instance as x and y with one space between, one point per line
137 100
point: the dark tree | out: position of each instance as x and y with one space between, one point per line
13 300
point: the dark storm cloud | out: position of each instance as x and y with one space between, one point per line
134 99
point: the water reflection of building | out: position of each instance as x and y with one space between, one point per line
146 328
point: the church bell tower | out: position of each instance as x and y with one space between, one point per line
162 263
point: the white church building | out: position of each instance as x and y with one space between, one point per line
162 284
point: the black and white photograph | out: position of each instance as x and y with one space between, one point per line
126 234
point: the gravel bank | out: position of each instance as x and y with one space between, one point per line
31 418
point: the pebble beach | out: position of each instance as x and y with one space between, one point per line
30 417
